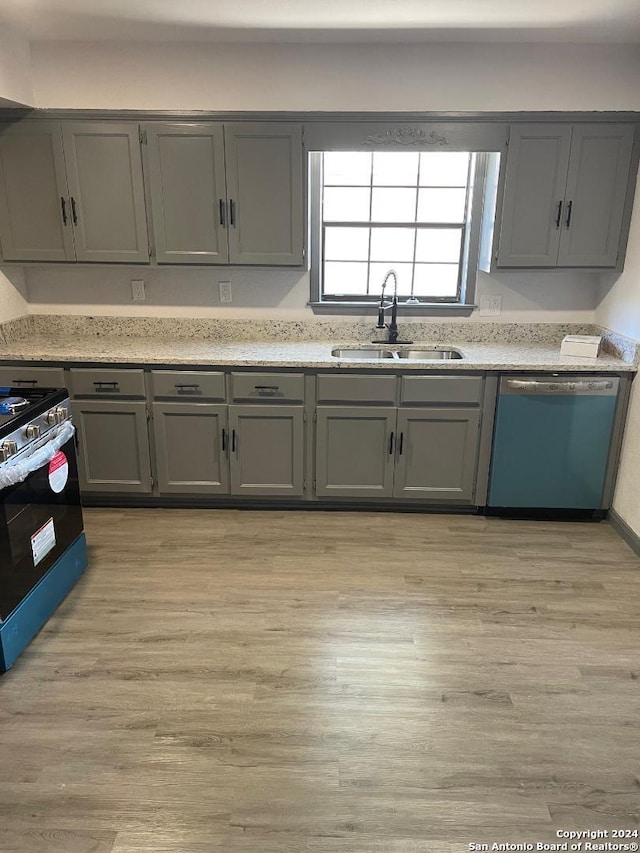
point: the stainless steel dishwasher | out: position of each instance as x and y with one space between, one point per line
552 441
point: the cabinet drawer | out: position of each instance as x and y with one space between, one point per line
441 389
268 386
187 383
87 382
352 388
33 377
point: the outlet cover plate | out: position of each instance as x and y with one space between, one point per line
225 291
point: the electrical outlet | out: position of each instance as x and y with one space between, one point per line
225 291
137 290
490 306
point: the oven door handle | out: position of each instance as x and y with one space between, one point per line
12 473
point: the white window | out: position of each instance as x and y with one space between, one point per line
380 210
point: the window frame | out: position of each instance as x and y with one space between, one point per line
469 254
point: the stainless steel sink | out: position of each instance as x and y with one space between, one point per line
429 353
362 353
413 353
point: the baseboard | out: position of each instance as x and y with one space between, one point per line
624 531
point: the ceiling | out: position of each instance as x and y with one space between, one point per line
326 20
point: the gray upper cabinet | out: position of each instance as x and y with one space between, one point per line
354 451
191 448
104 176
188 192
436 452
595 195
566 189
267 450
35 215
113 446
266 193
535 179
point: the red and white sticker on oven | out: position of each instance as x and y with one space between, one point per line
58 472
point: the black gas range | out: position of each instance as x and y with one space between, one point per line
42 547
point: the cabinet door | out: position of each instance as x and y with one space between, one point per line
265 189
354 451
35 216
113 451
191 448
595 195
437 454
267 450
104 173
188 193
532 206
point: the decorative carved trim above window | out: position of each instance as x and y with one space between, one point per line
406 136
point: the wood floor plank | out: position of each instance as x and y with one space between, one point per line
283 682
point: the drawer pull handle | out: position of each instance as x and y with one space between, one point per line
391 444
186 387
24 381
267 388
106 386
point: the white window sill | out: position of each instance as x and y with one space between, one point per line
404 310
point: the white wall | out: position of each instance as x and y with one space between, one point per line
438 77
15 68
619 310
527 297
13 293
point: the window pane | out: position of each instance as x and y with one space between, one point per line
436 280
441 205
440 244
345 204
378 272
444 169
346 244
395 169
392 245
393 205
347 168
341 279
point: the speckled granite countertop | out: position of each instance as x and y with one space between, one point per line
299 354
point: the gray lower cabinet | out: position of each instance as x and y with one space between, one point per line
436 452
113 446
565 192
354 451
191 448
266 450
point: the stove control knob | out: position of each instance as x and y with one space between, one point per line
51 417
7 449
62 414
32 431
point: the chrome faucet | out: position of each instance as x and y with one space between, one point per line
382 307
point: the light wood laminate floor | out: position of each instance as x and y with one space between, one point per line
271 682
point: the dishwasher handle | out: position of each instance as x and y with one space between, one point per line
562 386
